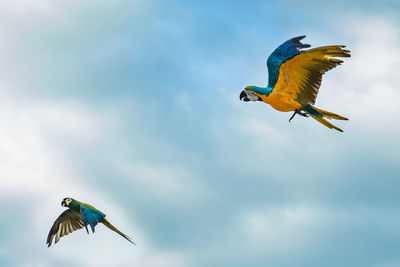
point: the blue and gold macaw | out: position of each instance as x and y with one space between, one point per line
295 76
78 215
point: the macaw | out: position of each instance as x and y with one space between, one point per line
78 215
294 79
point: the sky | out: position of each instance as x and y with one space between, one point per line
133 107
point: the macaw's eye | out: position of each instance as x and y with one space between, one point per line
67 201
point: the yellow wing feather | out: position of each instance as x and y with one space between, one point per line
300 77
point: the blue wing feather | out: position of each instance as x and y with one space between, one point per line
91 216
285 51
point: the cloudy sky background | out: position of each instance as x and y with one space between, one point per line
133 106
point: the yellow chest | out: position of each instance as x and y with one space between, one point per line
280 101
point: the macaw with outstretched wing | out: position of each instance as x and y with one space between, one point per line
295 76
78 215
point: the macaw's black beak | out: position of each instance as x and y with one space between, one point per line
243 96
63 203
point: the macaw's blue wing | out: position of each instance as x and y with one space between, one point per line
285 51
91 216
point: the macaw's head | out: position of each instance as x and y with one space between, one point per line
249 94
67 202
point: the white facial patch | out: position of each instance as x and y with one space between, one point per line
251 95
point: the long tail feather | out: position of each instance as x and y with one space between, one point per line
109 225
330 114
320 115
326 123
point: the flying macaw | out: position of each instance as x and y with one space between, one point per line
295 76
78 215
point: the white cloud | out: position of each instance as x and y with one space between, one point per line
169 182
258 128
38 136
366 87
286 228
30 160
35 141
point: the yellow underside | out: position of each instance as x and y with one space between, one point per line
280 101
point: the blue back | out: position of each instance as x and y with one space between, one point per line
285 51
91 216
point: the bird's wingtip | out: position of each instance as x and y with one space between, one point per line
298 38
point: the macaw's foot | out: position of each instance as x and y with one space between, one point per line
298 111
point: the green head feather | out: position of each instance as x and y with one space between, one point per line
250 88
71 203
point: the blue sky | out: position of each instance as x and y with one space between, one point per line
133 107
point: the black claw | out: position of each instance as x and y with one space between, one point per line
294 113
